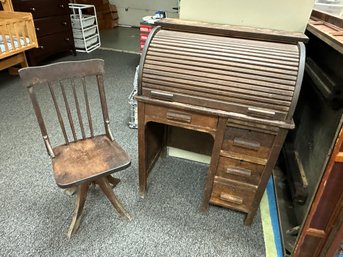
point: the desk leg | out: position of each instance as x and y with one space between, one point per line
142 169
218 139
151 142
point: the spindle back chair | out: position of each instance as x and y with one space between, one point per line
79 161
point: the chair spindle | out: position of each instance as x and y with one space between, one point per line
70 118
104 108
89 115
60 119
79 116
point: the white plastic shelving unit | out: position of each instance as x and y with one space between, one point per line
85 27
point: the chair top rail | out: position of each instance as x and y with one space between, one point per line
32 76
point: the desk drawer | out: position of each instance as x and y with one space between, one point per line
232 195
52 25
181 118
248 142
239 170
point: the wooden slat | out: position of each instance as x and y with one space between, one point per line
78 111
13 24
59 116
239 82
9 29
70 118
234 74
233 31
222 61
227 49
291 48
228 97
221 66
3 33
233 43
207 84
221 70
89 115
219 55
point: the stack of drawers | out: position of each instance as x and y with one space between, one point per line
53 28
244 154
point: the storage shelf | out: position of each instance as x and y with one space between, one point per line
85 27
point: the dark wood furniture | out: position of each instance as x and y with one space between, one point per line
323 228
78 161
53 28
313 227
225 83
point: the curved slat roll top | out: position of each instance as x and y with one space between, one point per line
256 78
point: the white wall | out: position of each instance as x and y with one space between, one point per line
130 12
289 15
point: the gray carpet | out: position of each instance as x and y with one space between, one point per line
35 213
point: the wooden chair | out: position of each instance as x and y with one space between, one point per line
90 159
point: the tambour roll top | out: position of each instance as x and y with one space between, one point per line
256 78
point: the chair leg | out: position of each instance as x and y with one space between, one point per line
113 181
107 189
80 202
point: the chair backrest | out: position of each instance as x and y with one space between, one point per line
60 75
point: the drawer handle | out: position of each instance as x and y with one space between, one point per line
251 145
260 112
64 23
162 95
230 198
67 38
61 5
238 171
32 9
41 47
38 29
183 117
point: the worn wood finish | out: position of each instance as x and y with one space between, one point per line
84 160
241 91
260 79
218 137
233 31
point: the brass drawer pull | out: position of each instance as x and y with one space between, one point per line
260 112
162 95
231 198
183 117
241 142
238 171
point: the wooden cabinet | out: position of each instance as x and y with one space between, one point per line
53 27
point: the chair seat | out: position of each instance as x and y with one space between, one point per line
87 159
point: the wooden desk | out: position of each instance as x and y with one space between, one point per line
244 152
240 86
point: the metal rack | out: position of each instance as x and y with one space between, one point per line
85 27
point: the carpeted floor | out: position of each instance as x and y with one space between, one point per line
35 213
